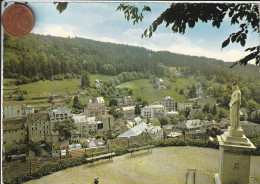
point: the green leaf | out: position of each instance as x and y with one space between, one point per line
225 43
242 42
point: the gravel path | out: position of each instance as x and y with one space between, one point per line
162 166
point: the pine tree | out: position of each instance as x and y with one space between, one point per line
137 109
85 80
214 110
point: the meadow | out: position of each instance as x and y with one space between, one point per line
42 94
145 89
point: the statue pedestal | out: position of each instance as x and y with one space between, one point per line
234 163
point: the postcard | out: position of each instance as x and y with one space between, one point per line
121 92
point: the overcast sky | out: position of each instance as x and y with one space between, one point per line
101 21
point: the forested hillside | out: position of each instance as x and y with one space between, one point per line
38 57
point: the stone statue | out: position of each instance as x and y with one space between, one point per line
235 107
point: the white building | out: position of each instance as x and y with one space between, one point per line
98 83
172 113
169 103
12 110
60 114
184 105
155 132
153 111
80 121
128 112
160 84
190 126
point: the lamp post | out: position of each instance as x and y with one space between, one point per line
128 138
60 155
183 133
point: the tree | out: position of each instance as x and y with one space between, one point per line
85 80
65 128
181 92
76 103
251 106
114 112
214 110
144 103
164 120
137 109
222 114
192 92
182 118
139 99
113 102
206 108
156 122
174 120
183 15
36 147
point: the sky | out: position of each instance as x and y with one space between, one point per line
101 21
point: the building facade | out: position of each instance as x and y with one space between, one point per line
184 105
95 107
11 110
153 111
38 127
125 101
169 103
14 130
128 112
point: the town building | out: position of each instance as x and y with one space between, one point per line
153 111
172 114
14 110
128 112
184 105
95 107
155 132
160 83
169 103
60 148
190 126
98 83
60 114
38 127
125 101
75 136
95 143
14 130
80 121
107 120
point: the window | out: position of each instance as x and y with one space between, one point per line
100 126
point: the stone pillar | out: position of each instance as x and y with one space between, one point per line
234 158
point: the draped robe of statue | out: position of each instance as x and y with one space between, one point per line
234 109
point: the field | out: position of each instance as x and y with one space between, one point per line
164 165
39 93
145 89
